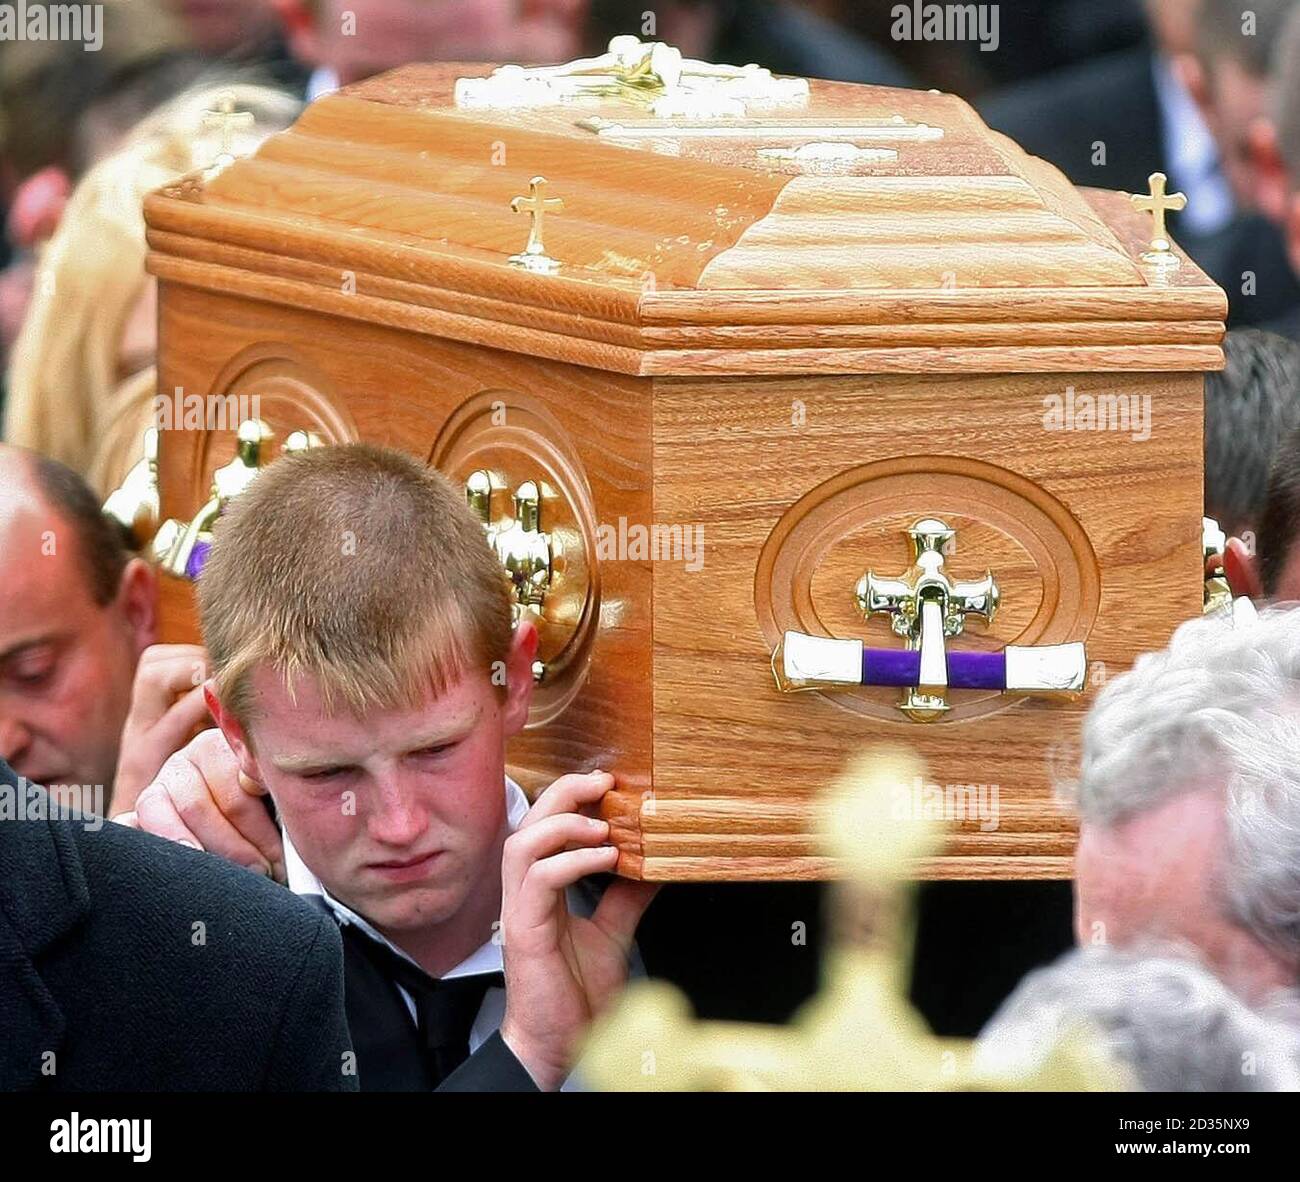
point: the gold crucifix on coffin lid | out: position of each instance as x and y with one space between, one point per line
1157 203
534 257
225 119
648 73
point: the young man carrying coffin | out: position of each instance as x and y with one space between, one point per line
366 676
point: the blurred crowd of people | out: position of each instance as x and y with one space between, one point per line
1190 808
1108 91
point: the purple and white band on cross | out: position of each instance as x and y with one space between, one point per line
902 668
812 662
197 557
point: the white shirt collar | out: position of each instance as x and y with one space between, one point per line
323 80
485 959
1194 165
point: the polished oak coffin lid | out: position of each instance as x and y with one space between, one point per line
858 229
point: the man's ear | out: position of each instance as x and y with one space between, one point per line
519 676
1272 182
230 727
300 29
1192 74
137 593
1242 571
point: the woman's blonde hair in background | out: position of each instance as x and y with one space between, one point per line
68 395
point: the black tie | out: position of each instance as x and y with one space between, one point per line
445 1008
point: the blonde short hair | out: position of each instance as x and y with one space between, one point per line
358 568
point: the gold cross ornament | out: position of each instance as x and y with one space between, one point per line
1157 203
533 257
226 119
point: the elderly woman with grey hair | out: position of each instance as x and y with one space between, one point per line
1170 1025
1188 795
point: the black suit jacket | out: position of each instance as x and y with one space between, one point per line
389 1054
1112 100
788 39
103 962
1061 115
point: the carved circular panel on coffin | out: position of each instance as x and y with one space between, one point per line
285 393
514 438
1040 556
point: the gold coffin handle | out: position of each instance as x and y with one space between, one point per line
134 503
176 543
526 552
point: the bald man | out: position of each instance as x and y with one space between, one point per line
84 701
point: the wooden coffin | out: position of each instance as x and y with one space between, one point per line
788 334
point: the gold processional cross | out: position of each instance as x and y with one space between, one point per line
860 1032
1157 203
533 257
226 119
